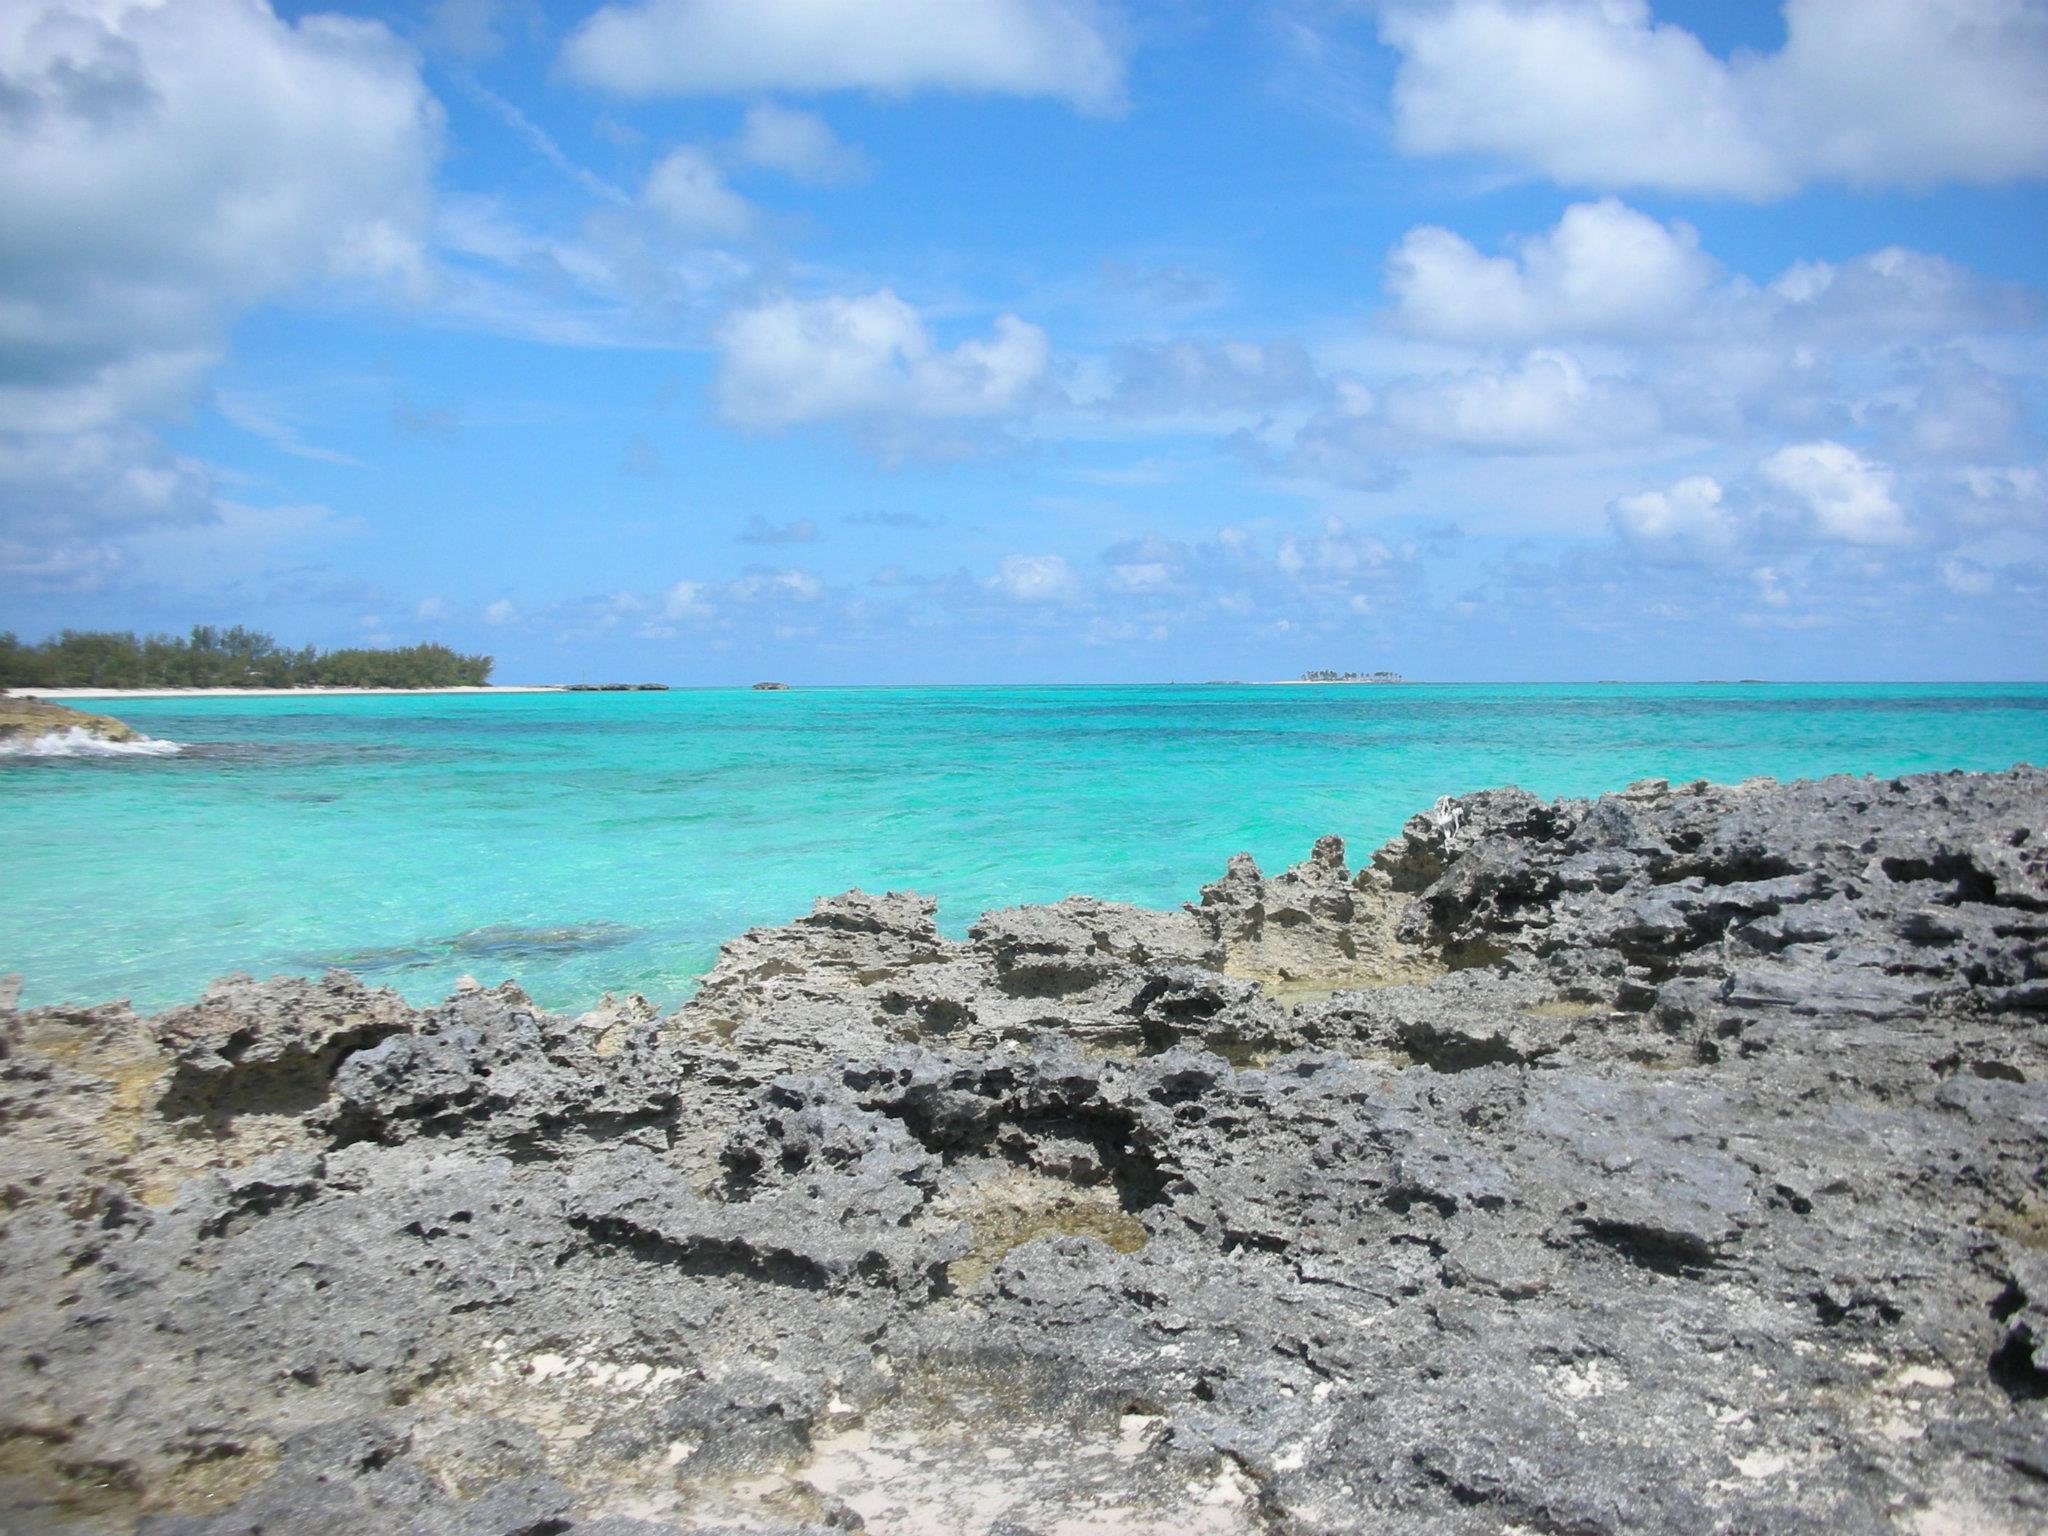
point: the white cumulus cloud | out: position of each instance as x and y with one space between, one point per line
1966 577
687 189
789 585
1803 496
686 599
1036 579
1893 294
2012 494
69 499
1598 93
1141 576
163 168
1851 499
1604 269
799 144
1059 48
796 360
1546 402
1687 524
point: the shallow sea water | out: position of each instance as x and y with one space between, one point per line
589 842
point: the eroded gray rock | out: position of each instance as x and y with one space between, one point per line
1667 1161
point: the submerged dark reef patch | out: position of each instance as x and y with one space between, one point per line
504 943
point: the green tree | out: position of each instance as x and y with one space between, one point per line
237 657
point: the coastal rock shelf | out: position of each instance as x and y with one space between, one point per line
1672 1161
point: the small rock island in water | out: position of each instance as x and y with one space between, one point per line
1671 1161
1325 675
34 727
24 719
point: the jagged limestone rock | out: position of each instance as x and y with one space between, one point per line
1312 929
1667 1161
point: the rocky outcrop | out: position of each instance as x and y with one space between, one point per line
1313 929
27 720
1667 1161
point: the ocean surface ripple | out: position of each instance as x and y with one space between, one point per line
595 842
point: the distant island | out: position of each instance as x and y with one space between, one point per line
1324 675
227 658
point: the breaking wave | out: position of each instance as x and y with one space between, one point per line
74 742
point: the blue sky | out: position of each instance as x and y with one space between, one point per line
854 341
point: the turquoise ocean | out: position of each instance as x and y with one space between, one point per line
589 842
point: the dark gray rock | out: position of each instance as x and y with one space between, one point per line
1667 1161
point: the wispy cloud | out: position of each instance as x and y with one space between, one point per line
544 145
253 418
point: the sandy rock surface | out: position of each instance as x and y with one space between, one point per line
1667 1162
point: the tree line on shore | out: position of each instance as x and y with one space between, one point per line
226 658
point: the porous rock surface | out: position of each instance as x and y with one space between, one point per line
1671 1162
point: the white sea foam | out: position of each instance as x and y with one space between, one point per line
73 742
